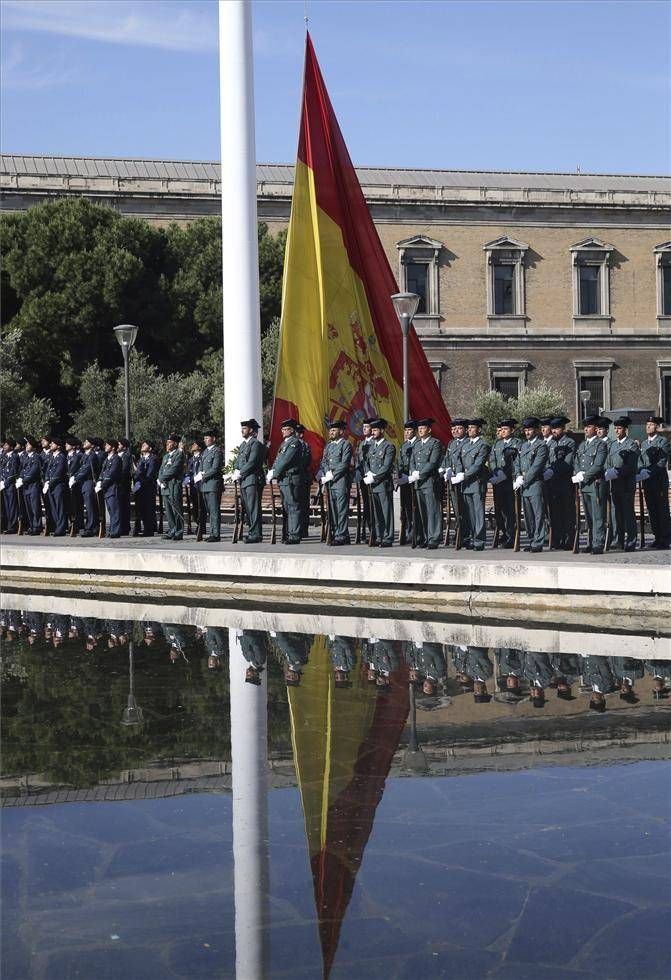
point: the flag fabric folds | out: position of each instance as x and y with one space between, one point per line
340 351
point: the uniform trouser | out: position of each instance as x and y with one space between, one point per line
124 508
365 508
113 508
59 517
338 501
622 503
656 493
33 502
474 504
611 513
383 509
210 502
430 513
533 503
11 501
91 522
77 507
562 514
172 502
594 506
145 509
458 507
305 507
290 488
406 511
251 501
504 509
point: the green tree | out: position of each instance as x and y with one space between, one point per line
22 413
538 401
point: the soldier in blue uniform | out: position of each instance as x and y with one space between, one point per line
472 476
127 467
191 481
211 482
170 475
450 466
359 473
29 484
86 477
532 461
503 467
336 478
74 456
109 483
653 473
403 472
425 459
287 470
55 486
589 465
620 475
8 475
144 489
306 480
249 472
562 451
379 478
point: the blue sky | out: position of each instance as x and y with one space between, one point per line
497 85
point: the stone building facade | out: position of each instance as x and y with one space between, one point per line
523 276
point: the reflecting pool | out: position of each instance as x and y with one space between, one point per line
199 791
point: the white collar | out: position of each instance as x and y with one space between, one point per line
336 442
109 455
473 439
591 438
378 441
425 439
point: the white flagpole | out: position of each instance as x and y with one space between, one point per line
240 272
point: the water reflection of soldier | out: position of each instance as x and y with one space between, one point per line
151 631
215 641
431 663
60 628
474 669
382 661
294 649
118 632
597 674
538 671
177 640
35 623
566 671
342 650
76 628
659 670
93 631
254 649
510 668
626 670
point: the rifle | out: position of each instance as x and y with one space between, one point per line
160 512
548 515
47 523
239 515
372 537
100 501
609 505
322 514
641 513
497 518
330 529
187 494
576 537
448 514
458 500
201 515
416 517
273 533
518 519
358 515
22 509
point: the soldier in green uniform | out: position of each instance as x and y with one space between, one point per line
626 671
306 484
287 470
473 475
210 478
425 459
253 644
215 640
336 479
382 660
532 460
590 460
450 466
294 651
602 430
379 478
403 471
620 475
170 476
560 489
653 473
510 666
503 466
431 663
342 651
596 673
537 669
249 473
359 473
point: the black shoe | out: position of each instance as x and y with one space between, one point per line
87 534
588 551
535 550
295 541
630 547
147 534
113 535
167 537
178 537
252 540
478 547
527 548
616 547
597 551
212 539
386 544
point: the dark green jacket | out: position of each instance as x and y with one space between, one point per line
251 457
172 466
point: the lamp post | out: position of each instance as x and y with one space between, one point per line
126 334
413 757
132 713
584 398
405 305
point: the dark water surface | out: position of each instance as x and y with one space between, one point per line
184 798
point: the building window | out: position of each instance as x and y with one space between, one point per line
417 281
593 376
666 398
595 386
509 378
591 284
505 277
663 261
506 386
418 273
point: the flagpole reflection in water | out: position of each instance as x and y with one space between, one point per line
249 754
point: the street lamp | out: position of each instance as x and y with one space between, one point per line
126 334
405 305
584 398
413 757
132 713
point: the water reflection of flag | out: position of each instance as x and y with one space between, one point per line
340 341
343 742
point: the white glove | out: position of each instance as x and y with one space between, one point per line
643 474
45 488
18 483
611 473
236 475
71 482
548 473
403 479
327 477
369 478
518 482
99 486
369 473
269 476
578 478
161 485
2 484
459 478
198 477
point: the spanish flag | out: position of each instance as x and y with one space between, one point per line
340 351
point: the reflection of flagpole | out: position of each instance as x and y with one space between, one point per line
413 757
249 753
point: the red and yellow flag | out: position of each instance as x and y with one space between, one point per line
340 349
